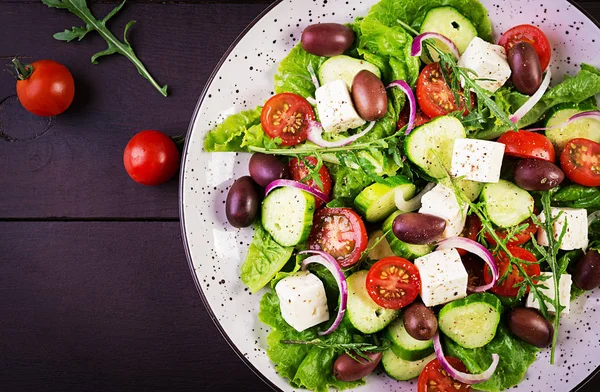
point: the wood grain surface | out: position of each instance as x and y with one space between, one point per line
95 291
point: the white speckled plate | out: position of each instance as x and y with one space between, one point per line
244 79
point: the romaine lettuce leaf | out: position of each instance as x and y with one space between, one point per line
230 135
293 76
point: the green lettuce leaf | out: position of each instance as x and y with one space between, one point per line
515 357
292 75
577 196
230 135
347 182
265 258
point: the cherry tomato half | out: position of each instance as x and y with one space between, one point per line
45 87
505 288
519 238
434 378
420 119
526 144
151 158
339 232
299 172
532 35
580 160
434 95
393 282
286 116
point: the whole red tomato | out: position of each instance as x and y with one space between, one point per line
151 158
44 87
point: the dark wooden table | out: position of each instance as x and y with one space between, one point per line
95 291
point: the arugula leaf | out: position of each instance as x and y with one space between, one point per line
235 133
80 8
292 75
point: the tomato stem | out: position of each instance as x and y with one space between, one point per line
23 71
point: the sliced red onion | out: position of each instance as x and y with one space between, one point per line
311 100
417 44
315 135
530 103
326 260
295 184
313 76
476 248
411 100
463 377
594 114
414 203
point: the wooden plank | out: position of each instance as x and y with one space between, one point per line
106 307
71 166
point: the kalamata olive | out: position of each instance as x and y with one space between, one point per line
327 39
416 228
538 175
525 66
420 321
587 271
530 326
265 169
242 202
346 368
368 95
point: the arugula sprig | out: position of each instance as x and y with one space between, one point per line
354 350
80 8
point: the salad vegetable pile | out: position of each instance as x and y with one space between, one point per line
422 199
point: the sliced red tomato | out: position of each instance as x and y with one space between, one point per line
580 160
393 282
532 35
526 144
339 232
434 378
505 288
286 116
434 95
519 238
299 172
471 231
420 119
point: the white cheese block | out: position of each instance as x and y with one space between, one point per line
335 107
302 300
564 293
443 277
477 160
441 201
488 61
576 236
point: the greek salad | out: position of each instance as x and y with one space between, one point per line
422 200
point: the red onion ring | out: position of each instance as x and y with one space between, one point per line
476 248
594 114
417 44
411 100
295 184
463 377
315 135
414 203
326 260
530 103
313 76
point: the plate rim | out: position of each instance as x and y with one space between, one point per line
184 154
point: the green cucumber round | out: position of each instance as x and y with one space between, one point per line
401 369
404 345
400 248
287 214
506 204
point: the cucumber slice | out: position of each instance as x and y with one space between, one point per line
400 248
426 145
450 23
507 204
287 214
382 249
344 68
586 128
472 189
471 321
363 313
376 202
401 369
404 345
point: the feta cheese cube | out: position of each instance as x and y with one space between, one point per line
302 300
488 61
335 107
443 277
564 293
576 236
477 160
441 201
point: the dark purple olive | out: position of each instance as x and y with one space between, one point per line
368 95
419 229
327 39
242 202
525 66
265 169
346 368
420 321
538 175
530 326
587 271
